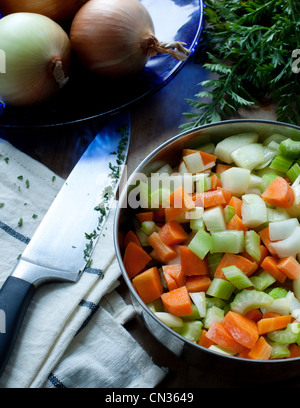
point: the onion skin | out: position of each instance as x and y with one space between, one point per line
38 53
57 10
115 38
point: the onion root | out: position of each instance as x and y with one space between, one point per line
58 72
152 46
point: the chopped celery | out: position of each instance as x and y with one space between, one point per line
248 156
236 180
201 243
160 197
227 241
214 314
290 148
266 180
156 305
293 172
195 215
143 238
262 280
213 261
191 330
282 229
281 306
229 212
296 287
237 277
279 350
250 299
199 300
254 210
227 146
220 288
169 320
194 316
277 293
211 301
149 226
214 219
270 151
296 314
202 183
221 350
275 137
289 246
252 244
288 335
281 163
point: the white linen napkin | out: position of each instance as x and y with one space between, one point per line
72 335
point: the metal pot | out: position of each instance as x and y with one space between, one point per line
170 152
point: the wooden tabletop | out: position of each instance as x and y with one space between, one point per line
154 120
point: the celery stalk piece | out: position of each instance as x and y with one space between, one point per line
293 172
201 181
211 301
266 180
199 300
296 287
194 316
270 151
194 163
290 148
160 198
227 146
289 246
227 241
143 238
220 288
288 335
195 215
229 212
214 219
156 305
262 280
252 244
169 320
254 210
277 214
149 226
281 163
191 330
236 180
214 314
221 350
279 350
250 299
275 137
201 243
213 261
249 156
281 306
237 277
282 229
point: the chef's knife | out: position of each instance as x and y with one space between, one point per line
62 245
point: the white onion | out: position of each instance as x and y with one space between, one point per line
57 10
115 38
37 57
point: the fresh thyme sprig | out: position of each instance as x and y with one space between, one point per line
249 47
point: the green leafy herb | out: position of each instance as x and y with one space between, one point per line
20 222
1 205
6 159
27 183
249 46
34 216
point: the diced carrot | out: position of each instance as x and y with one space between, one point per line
236 223
198 198
289 266
135 259
148 285
172 213
174 276
145 216
226 193
222 167
243 330
236 203
163 251
172 233
198 283
254 314
191 263
241 262
205 341
181 199
261 350
294 350
269 264
270 314
244 354
220 336
273 323
159 215
279 193
265 237
131 237
178 302
211 198
215 182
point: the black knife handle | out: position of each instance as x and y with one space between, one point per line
15 296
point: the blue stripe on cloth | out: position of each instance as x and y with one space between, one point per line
93 307
55 381
14 233
93 271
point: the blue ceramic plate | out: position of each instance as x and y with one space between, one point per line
87 96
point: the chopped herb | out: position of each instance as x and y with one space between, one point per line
1 205
6 159
27 183
34 216
20 222
53 178
20 177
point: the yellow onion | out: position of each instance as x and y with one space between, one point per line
57 10
115 38
37 54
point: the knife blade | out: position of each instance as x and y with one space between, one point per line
63 243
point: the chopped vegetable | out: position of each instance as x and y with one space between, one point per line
148 285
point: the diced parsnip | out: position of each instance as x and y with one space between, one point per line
282 229
236 180
214 219
254 210
225 148
249 156
194 163
199 299
255 181
182 169
289 246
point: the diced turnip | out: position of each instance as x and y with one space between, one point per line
294 211
194 162
277 214
236 180
289 246
254 210
225 148
214 219
282 229
249 156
